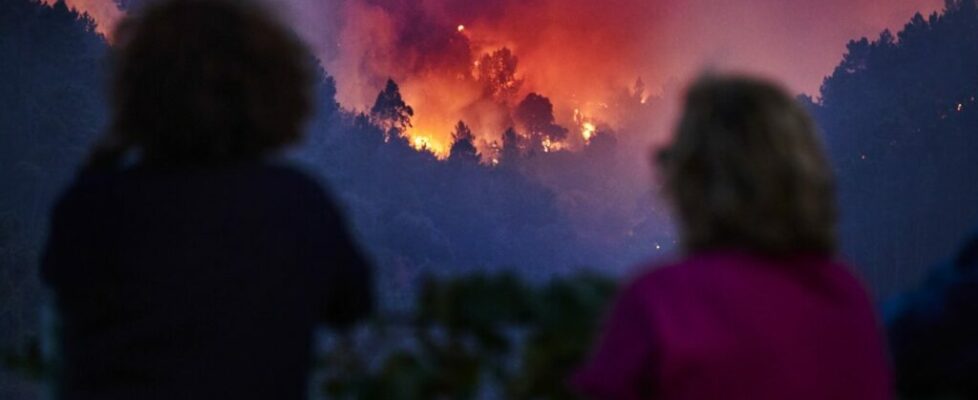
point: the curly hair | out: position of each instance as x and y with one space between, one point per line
746 170
205 82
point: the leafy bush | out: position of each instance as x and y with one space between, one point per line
476 336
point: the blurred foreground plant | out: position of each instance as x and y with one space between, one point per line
481 336
478 336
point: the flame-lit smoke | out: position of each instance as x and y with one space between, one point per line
476 61
578 54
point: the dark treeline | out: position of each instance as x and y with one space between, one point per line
899 114
419 215
51 106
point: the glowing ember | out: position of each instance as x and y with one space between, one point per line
552 145
547 145
461 28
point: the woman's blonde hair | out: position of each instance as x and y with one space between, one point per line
746 170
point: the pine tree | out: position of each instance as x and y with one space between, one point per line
463 149
390 110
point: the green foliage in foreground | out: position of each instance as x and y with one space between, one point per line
477 336
480 336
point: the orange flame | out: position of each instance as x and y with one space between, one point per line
577 53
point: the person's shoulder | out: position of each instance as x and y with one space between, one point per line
87 189
678 267
298 185
850 281
681 271
658 276
294 177
844 274
290 172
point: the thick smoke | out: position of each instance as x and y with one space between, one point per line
659 40
562 71
578 53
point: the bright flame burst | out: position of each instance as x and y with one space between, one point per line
587 131
588 128
552 145
480 77
422 142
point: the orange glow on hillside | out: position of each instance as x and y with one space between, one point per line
579 54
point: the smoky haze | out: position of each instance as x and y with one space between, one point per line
574 55
577 53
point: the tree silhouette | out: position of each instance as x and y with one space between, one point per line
510 150
901 122
536 114
463 148
391 111
51 108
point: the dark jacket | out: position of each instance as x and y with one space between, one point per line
188 283
933 331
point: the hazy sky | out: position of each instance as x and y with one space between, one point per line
578 53
797 41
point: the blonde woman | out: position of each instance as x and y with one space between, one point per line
758 306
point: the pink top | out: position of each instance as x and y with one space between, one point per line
729 325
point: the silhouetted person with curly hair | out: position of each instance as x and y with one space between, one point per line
187 263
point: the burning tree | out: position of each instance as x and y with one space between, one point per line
536 114
497 73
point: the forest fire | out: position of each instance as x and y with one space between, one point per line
509 65
549 95
424 143
479 62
